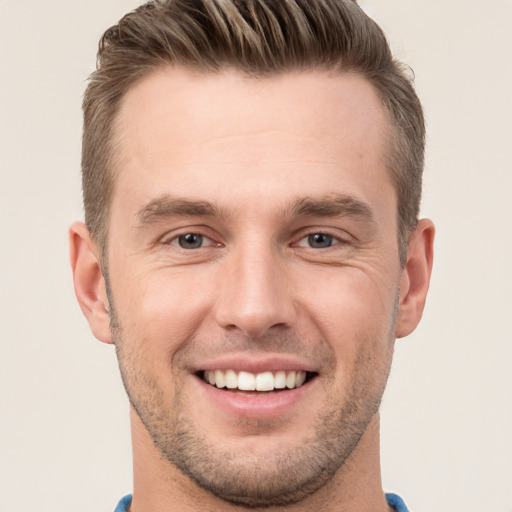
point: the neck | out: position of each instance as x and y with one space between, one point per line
160 487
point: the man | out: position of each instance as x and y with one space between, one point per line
252 178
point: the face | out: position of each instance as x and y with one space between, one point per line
254 274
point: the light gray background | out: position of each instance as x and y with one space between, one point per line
447 414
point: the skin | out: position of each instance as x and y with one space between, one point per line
255 167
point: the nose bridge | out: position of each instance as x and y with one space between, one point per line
254 296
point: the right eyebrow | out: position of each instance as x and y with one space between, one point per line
333 205
167 206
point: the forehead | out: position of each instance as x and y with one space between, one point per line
195 133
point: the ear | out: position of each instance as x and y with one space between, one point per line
415 278
89 282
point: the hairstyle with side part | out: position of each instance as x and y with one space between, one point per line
259 38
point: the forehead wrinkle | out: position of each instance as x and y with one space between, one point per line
170 206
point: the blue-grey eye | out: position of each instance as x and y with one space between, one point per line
320 240
190 241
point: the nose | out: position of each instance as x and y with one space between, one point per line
255 295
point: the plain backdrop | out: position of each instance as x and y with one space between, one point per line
447 413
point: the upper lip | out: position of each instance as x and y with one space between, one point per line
255 364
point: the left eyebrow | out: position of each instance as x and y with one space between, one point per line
334 205
167 206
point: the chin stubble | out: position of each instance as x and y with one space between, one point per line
246 480
277 479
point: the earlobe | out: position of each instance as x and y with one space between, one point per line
89 282
415 278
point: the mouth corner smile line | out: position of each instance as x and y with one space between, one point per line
264 381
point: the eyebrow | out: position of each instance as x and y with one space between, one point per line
167 206
334 205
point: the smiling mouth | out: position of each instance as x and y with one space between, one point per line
260 382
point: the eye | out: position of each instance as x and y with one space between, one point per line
190 241
197 239
319 240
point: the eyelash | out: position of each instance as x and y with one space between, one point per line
174 240
334 239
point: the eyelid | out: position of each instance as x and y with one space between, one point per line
340 236
206 241
171 238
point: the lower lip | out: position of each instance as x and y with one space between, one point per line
264 405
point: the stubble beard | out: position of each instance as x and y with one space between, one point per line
278 479
244 480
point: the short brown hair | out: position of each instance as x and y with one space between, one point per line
259 38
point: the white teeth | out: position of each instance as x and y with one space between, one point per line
264 381
290 380
231 379
220 381
280 380
246 381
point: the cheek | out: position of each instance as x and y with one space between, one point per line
350 300
354 314
161 309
